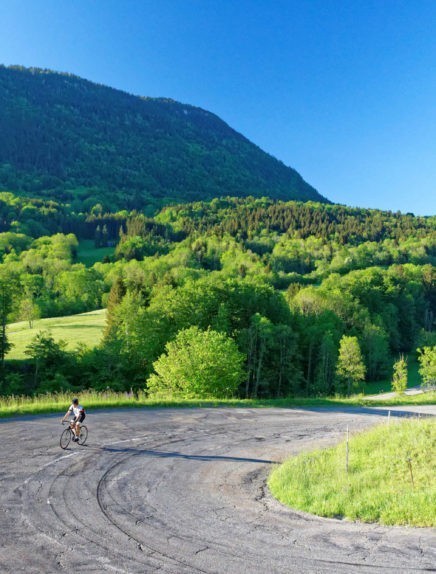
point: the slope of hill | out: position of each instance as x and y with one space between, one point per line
69 139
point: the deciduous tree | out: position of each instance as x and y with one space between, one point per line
399 378
350 367
427 369
198 364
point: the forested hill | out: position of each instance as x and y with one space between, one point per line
68 139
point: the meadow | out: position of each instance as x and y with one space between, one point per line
88 254
86 328
390 476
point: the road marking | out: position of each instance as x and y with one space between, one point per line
125 440
50 463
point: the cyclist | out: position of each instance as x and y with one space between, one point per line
79 414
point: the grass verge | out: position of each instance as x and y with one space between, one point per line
390 480
56 402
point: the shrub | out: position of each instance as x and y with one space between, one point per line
198 364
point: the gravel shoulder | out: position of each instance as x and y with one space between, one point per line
184 490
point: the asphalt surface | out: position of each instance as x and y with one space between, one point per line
179 491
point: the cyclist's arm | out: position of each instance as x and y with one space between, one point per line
66 414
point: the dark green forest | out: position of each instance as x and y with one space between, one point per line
281 288
70 140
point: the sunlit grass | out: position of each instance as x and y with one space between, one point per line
391 477
84 328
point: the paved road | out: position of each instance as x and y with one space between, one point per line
179 491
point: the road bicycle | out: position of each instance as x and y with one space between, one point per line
68 435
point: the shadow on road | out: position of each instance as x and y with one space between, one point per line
175 454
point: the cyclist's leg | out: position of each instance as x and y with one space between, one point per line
78 423
74 428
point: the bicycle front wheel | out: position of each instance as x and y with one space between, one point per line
83 434
65 438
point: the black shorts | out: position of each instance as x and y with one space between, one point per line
80 418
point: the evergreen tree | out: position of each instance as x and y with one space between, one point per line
104 236
97 237
116 294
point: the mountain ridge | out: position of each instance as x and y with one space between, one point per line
75 140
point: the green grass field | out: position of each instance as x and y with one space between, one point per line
88 254
391 477
84 328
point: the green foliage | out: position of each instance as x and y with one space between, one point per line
80 289
399 378
105 369
350 366
427 362
301 235
326 365
51 362
285 281
198 364
375 348
13 242
378 486
29 311
272 365
8 288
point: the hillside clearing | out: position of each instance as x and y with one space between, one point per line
88 254
86 328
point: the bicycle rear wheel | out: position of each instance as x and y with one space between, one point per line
65 438
83 434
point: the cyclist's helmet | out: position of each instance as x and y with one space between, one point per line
75 401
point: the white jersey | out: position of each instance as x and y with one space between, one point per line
76 410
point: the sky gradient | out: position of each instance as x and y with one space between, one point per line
341 90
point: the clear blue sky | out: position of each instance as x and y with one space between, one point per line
344 91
